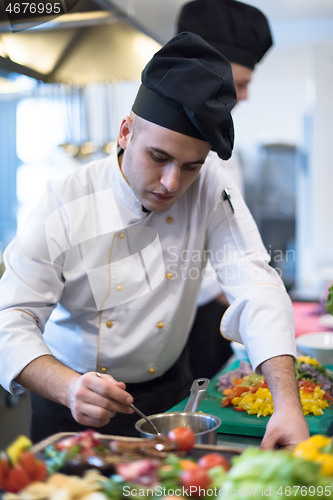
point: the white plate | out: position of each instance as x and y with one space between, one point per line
326 320
318 345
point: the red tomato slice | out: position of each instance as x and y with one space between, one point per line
213 460
184 438
196 481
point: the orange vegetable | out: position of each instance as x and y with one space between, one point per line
188 464
238 381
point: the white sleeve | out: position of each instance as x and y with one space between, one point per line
260 314
210 287
29 291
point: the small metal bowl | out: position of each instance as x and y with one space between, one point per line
203 425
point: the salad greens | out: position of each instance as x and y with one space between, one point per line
275 473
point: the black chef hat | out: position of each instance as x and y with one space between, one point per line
239 31
188 87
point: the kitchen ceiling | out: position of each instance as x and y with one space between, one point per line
108 40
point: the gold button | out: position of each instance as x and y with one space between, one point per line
109 324
151 370
168 276
160 324
121 235
119 288
169 220
104 370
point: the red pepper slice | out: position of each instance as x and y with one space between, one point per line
236 408
239 390
227 401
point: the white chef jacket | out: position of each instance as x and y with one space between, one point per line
210 288
68 273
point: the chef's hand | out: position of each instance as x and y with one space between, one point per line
94 399
285 429
287 426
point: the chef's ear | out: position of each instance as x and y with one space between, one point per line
125 132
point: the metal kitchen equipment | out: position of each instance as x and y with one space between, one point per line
203 425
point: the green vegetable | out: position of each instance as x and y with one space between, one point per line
252 380
311 377
276 472
113 489
55 459
329 301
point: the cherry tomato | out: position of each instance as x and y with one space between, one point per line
28 462
17 479
40 472
36 469
196 481
212 460
184 438
4 470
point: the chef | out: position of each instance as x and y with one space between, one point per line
104 278
242 34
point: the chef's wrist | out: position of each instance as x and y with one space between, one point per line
69 395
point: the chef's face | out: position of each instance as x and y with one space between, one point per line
159 164
242 77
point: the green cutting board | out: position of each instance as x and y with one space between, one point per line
234 422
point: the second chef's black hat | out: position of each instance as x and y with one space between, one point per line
238 30
188 87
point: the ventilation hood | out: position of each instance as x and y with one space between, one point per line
90 44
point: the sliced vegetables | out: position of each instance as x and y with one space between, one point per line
250 393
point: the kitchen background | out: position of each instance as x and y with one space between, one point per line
66 84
